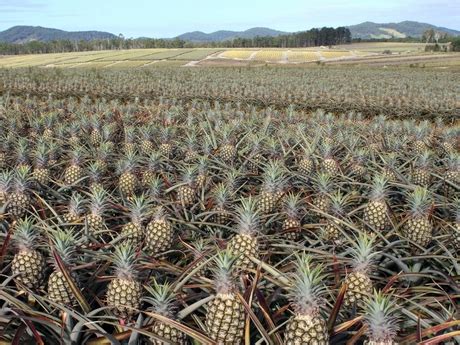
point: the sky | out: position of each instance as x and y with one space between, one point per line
169 18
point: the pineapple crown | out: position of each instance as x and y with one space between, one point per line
248 217
323 183
154 160
162 298
76 204
424 160
64 242
159 213
382 324
41 154
124 260
419 201
130 134
98 201
21 178
457 209
6 176
146 132
95 171
26 234
378 188
221 194
292 205
453 161
155 187
307 288
339 202
203 164
128 163
188 175
76 155
137 206
223 272
22 148
363 252
391 159
274 176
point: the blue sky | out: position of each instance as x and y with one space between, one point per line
168 18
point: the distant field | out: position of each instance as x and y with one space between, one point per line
362 53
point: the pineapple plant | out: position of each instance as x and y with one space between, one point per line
146 145
221 198
376 210
227 150
6 178
452 175
28 265
97 206
245 243
323 186
418 227
390 170
159 233
74 172
333 226
381 319
358 166
127 182
166 147
59 291
95 137
133 231
202 171
162 299
421 172
124 292
74 214
307 326
95 173
306 164
154 167
186 192
292 226
41 172
358 282
329 163
272 189
22 153
19 199
129 145
225 313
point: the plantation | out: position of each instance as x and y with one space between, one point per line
266 205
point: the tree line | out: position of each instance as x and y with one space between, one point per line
314 37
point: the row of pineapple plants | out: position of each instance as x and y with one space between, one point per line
215 223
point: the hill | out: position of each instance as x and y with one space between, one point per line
404 29
224 35
22 34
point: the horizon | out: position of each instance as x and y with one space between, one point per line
142 19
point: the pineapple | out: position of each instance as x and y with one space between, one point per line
225 313
245 243
159 233
358 166
221 197
186 192
421 173
329 164
292 226
154 163
272 188
381 320
102 155
146 146
306 165
19 199
390 171
359 284
452 175
376 210
418 227
166 148
163 302
59 290
95 219
202 168
41 172
95 136
74 172
227 151
307 326
28 265
6 177
95 171
333 227
421 133
134 230
127 182
124 292
191 152
22 153
323 187
74 209
255 158
129 146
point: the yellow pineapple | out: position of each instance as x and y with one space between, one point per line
159 233
376 211
272 189
133 231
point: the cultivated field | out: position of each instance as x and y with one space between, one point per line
146 203
363 53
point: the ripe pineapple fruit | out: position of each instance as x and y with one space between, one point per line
329 164
381 320
421 172
358 166
28 265
124 292
166 147
19 199
6 177
225 313
306 165
127 182
95 219
292 227
333 228
74 172
95 136
418 227
133 231
74 209
322 185
146 146
129 145
221 197
359 284
59 291
162 299
272 188
307 326
420 135
376 210
186 192
159 233
245 243
227 150
41 172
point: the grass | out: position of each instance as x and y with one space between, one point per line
238 54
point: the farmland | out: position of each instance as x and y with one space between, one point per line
288 196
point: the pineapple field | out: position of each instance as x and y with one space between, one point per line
268 205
